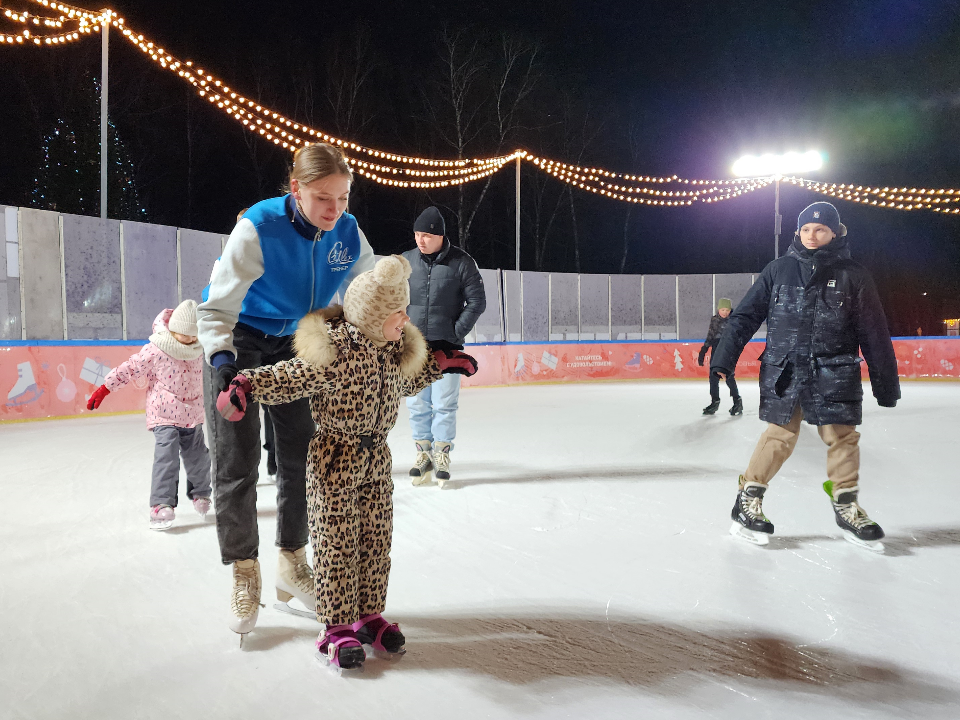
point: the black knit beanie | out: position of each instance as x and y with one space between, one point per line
430 221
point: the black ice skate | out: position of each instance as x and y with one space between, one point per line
712 407
857 527
749 522
737 408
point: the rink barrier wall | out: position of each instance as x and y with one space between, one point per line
54 379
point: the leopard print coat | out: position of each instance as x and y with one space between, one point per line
355 388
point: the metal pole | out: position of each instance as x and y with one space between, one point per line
518 213
776 218
104 66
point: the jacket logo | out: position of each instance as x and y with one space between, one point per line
831 283
339 255
816 213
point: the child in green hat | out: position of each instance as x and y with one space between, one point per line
717 323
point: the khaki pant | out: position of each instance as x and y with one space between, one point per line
778 441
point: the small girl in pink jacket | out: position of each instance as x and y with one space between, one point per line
172 365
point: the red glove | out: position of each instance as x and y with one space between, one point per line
232 402
97 397
455 361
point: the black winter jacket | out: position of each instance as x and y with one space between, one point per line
717 324
446 295
822 310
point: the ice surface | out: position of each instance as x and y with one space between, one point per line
578 565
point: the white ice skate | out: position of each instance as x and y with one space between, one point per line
245 600
295 580
161 517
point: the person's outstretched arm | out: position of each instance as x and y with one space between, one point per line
743 323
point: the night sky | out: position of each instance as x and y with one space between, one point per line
665 88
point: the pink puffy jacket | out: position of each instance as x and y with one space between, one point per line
174 387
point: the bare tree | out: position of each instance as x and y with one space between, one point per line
477 103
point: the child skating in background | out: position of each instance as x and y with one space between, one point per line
172 365
717 323
822 311
355 363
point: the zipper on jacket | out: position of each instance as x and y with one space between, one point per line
313 268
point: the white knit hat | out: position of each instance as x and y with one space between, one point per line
375 295
184 319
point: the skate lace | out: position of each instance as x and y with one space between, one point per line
441 460
303 577
423 460
246 592
854 515
753 507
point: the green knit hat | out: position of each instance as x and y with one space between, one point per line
724 303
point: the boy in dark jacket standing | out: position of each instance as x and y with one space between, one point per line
821 307
717 323
446 300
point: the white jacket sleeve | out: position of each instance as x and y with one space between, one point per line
238 267
365 262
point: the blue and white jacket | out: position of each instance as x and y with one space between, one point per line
275 268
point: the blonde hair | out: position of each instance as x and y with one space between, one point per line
312 162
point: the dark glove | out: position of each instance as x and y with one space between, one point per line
717 370
455 361
225 375
887 402
232 402
702 355
97 397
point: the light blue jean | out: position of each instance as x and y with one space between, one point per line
433 413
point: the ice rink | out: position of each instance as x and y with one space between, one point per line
578 566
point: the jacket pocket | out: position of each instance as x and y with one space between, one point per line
839 378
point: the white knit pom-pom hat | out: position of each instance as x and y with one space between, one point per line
184 319
376 295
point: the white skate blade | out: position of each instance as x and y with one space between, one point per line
285 608
441 482
161 524
422 479
336 669
872 545
751 536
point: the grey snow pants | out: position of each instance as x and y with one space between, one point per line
174 443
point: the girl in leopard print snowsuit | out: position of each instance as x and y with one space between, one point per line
355 363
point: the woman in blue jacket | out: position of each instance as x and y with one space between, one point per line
286 257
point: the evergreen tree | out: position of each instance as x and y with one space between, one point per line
68 179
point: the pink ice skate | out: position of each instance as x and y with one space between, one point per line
385 638
161 517
339 648
202 506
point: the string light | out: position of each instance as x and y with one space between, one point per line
409 171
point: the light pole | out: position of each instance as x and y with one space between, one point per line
104 86
775 167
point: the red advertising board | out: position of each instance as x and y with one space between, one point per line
55 380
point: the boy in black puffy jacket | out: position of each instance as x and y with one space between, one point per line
717 323
822 311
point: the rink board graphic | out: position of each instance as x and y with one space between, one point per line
54 379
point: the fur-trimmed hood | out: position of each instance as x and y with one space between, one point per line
324 334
